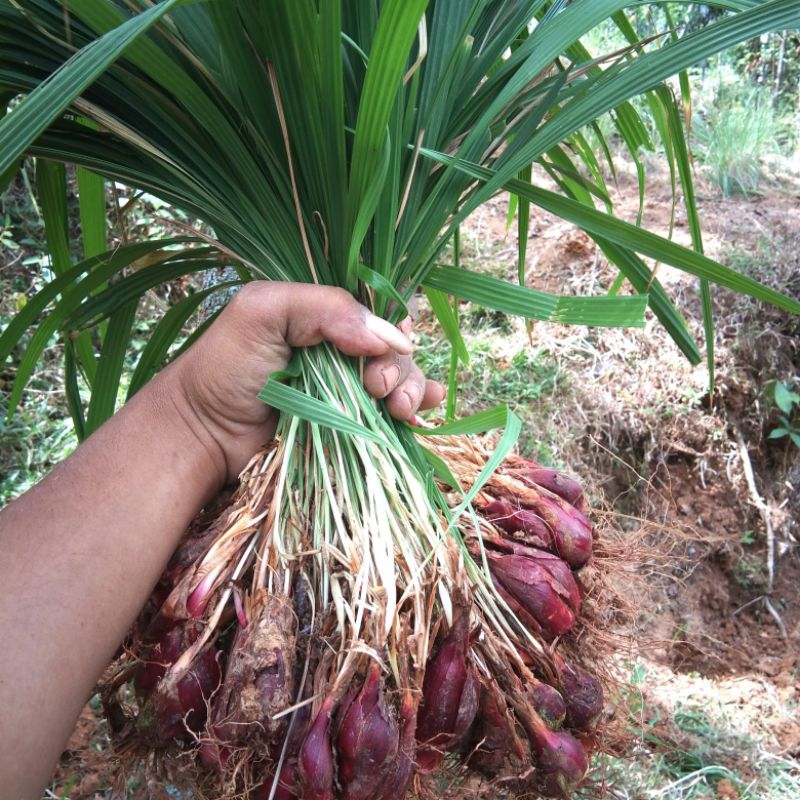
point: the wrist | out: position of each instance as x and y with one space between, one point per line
186 428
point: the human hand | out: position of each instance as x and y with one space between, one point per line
217 381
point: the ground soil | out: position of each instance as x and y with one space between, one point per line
669 461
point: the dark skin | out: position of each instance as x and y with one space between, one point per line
82 550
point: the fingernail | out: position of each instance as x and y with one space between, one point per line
388 333
390 375
413 396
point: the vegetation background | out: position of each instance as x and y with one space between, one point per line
710 484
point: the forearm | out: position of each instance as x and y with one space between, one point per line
80 553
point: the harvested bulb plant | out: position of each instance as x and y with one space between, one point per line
380 609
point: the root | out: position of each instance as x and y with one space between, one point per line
288 649
766 516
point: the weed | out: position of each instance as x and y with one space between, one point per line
695 753
522 377
738 132
750 572
29 449
748 537
788 401
40 434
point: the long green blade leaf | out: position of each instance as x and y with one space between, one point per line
292 401
45 103
109 369
622 233
618 312
92 199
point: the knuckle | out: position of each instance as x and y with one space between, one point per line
248 298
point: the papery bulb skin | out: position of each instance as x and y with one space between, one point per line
548 523
368 741
548 703
514 519
197 601
197 686
178 705
468 707
259 679
501 513
286 789
557 569
315 761
554 481
190 551
213 755
401 771
449 696
516 608
543 585
572 532
584 697
166 643
494 738
561 765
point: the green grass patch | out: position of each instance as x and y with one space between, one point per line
504 369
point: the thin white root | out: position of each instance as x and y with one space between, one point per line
764 510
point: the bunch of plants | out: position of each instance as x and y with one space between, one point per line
378 600
239 678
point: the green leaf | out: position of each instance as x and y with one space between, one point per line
680 149
9 173
654 246
784 398
480 422
95 308
447 318
451 404
92 200
618 84
110 262
502 296
103 267
597 223
641 278
51 181
508 440
778 433
795 437
73 394
164 335
397 29
109 369
45 103
383 287
440 469
289 400
523 227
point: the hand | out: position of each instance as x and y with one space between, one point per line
218 379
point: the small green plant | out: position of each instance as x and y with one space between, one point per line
734 138
748 537
788 401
